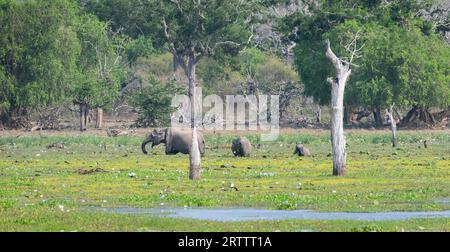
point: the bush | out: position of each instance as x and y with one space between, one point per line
153 103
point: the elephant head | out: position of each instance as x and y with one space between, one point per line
157 137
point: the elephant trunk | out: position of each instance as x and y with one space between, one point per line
146 141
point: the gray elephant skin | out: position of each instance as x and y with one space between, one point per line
176 140
301 150
241 147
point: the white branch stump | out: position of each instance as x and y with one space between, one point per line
390 114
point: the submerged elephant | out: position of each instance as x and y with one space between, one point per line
241 147
301 150
176 140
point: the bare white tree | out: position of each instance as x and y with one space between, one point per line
343 71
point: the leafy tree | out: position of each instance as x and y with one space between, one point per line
38 51
139 47
424 75
51 54
129 16
275 77
159 65
153 102
400 65
220 79
386 33
100 67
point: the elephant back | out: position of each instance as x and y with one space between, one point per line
180 140
246 146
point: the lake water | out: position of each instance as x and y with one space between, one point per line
250 214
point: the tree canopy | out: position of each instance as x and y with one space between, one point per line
38 51
396 56
78 52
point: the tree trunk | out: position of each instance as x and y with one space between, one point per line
318 115
83 116
377 117
349 115
390 114
362 114
251 86
343 71
416 116
194 152
440 116
99 119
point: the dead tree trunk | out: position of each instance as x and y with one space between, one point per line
390 114
194 152
343 71
99 119
318 115
418 115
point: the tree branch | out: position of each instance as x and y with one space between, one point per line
226 43
331 56
168 37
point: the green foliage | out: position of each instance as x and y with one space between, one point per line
376 82
37 47
139 47
56 52
188 23
100 65
271 74
153 103
425 71
121 14
220 79
158 65
275 77
398 58
249 59
52 54
367 228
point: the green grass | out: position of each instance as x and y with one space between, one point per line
36 181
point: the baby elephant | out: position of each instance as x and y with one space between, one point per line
301 150
241 147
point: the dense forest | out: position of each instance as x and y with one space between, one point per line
81 58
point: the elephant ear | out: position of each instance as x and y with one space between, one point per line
168 137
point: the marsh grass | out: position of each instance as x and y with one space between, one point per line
35 181
43 141
215 141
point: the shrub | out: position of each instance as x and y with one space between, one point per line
153 103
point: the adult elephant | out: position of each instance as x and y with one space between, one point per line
176 140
